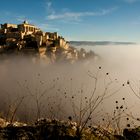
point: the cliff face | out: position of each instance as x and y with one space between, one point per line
28 39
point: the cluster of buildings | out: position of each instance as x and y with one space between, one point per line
27 38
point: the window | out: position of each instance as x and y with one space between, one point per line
27 29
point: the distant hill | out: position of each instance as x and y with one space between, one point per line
95 43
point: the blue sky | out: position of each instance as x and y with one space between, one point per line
91 20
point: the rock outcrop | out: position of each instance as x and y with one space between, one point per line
47 129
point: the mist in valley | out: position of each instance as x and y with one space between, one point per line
38 90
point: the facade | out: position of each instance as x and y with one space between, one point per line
27 28
18 31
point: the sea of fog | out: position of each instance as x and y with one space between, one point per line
61 90
123 63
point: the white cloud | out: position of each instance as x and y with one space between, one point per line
49 7
66 15
78 15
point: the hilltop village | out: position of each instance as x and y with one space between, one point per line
28 39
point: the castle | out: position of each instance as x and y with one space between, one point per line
26 38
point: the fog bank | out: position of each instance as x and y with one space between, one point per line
54 90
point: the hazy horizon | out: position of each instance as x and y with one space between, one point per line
21 76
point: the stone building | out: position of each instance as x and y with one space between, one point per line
26 38
62 43
18 31
51 36
8 27
27 28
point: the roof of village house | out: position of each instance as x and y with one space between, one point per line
26 23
